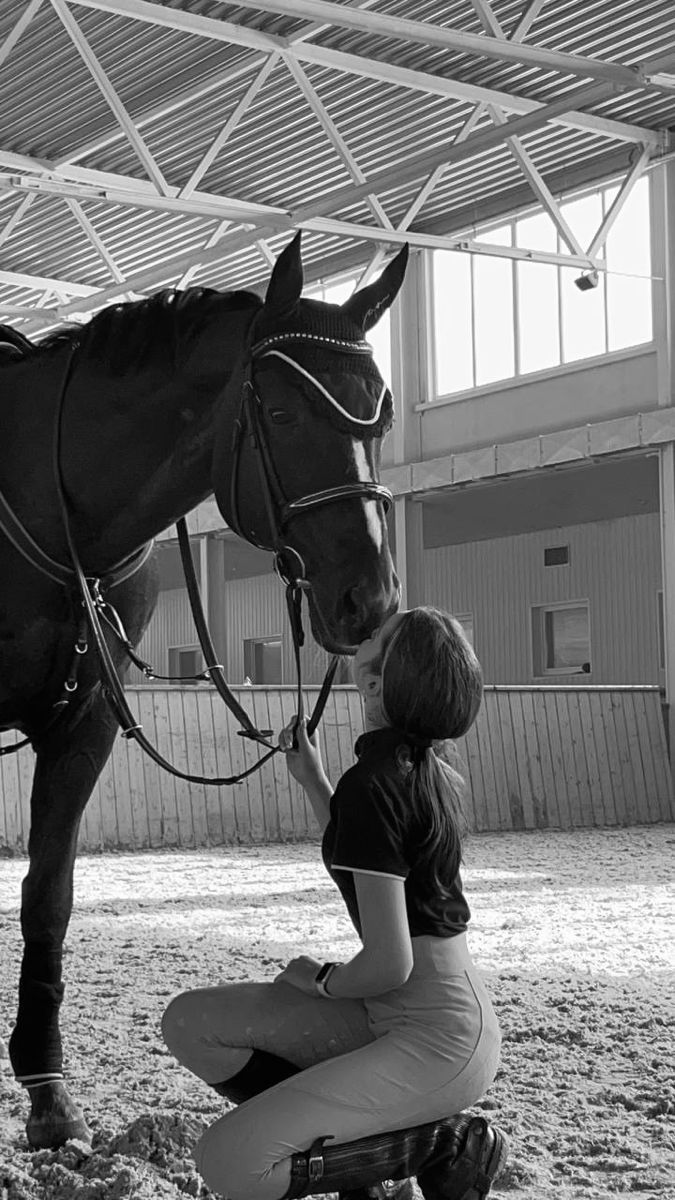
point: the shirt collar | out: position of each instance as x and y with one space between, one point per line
378 741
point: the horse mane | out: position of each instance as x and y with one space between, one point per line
13 345
135 333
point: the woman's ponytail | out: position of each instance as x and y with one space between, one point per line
432 685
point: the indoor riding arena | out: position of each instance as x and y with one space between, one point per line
310 311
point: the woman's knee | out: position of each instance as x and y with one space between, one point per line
178 1022
232 1162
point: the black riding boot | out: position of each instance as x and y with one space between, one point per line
263 1071
453 1159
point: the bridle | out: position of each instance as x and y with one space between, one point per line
279 509
288 562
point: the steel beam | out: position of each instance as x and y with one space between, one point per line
109 94
443 85
20 311
37 283
334 137
105 187
17 216
166 108
136 194
229 126
93 238
186 22
21 25
307 218
191 23
416 166
421 32
625 190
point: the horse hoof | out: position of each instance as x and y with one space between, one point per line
48 1133
54 1118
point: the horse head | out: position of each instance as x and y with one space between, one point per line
297 451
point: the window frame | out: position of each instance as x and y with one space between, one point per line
259 640
538 639
519 378
187 647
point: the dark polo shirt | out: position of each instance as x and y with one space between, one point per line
372 828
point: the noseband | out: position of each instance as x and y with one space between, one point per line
279 509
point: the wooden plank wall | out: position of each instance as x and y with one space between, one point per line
537 757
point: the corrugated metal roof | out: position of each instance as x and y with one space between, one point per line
179 86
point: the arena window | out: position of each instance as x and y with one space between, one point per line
262 660
497 318
185 661
561 639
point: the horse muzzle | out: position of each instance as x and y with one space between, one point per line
342 618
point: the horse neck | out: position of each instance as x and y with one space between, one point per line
134 465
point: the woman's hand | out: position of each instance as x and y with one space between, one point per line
304 763
301 974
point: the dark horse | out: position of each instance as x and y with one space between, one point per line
147 397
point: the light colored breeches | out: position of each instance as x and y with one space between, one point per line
417 1054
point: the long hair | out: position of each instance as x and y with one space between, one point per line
432 686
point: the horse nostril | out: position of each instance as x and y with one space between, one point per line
364 606
352 603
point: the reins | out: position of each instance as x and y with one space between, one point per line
93 603
288 564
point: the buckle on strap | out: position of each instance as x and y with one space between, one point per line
289 565
315 1159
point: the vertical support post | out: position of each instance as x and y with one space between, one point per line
410 550
410 384
663 190
667 508
662 194
204 574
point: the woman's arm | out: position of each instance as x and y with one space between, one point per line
386 959
319 793
306 766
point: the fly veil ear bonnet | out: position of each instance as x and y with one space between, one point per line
323 346
329 339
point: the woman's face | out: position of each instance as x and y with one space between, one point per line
369 658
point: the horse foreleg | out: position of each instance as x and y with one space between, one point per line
69 762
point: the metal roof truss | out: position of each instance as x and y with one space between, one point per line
498 80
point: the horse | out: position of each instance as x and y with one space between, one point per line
129 421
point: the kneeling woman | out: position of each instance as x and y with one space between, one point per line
358 1072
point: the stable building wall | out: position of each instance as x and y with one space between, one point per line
239 610
564 398
613 565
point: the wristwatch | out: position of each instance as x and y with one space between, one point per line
322 976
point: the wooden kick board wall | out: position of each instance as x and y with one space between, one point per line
537 757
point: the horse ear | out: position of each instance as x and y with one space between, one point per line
285 285
366 306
